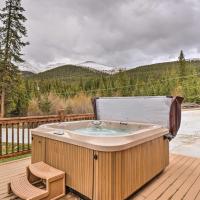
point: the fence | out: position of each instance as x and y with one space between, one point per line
15 136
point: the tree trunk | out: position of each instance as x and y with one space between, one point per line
3 102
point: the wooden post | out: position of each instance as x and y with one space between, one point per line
23 136
13 142
0 139
6 138
61 115
18 137
28 126
3 102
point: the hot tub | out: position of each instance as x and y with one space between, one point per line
113 156
101 135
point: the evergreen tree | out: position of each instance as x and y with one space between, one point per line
181 57
182 64
12 31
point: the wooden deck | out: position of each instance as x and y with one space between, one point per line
180 180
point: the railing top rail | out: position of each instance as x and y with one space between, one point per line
43 118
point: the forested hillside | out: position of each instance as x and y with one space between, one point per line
71 87
170 78
68 71
67 80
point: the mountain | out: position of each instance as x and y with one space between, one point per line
162 68
99 67
70 72
27 67
51 66
27 73
88 64
92 69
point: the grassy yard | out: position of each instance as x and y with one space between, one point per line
15 147
14 158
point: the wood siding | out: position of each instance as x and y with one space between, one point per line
39 149
119 174
142 163
113 175
76 161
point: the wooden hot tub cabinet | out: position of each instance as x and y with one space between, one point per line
101 175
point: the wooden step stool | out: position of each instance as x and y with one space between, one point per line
21 187
54 178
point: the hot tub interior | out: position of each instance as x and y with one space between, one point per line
99 128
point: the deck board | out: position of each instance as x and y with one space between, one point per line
180 180
170 180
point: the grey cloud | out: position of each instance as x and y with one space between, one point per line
114 32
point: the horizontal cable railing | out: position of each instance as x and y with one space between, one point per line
15 134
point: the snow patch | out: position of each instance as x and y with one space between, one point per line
99 67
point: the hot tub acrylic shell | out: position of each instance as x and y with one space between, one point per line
103 168
67 132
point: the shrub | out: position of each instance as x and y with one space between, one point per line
51 104
33 108
44 105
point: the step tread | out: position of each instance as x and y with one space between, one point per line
45 171
23 189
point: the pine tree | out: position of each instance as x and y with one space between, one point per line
181 57
12 31
182 64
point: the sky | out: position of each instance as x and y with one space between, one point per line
121 33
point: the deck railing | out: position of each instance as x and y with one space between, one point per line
15 136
